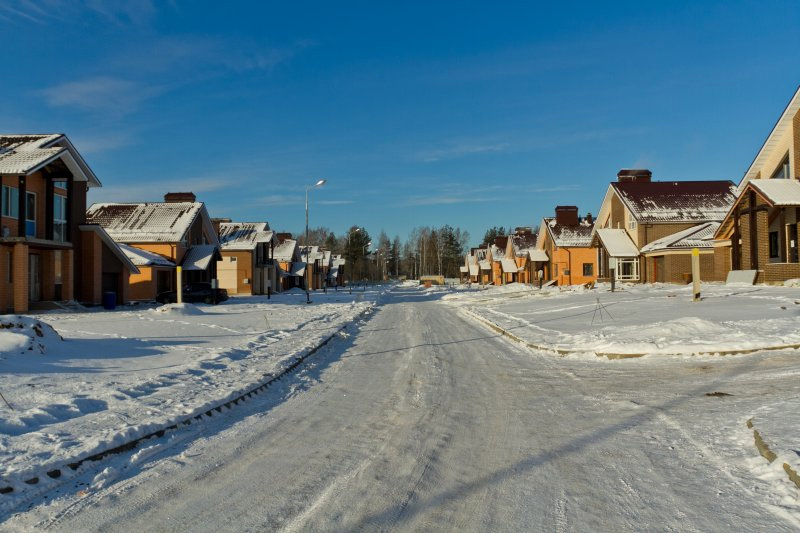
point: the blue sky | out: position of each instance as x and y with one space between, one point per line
470 114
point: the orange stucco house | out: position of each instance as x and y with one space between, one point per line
566 239
158 237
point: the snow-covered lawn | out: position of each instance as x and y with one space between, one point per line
669 333
118 375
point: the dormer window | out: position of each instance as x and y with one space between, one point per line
782 172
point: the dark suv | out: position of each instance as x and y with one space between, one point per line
195 292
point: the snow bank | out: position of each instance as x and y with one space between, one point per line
184 309
23 334
645 319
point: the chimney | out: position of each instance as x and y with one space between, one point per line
176 197
638 175
501 241
283 237
589 218
567 215
216 222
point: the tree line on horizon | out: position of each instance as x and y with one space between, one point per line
428 250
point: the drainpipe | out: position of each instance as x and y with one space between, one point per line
569 264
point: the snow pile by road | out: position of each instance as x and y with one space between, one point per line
120 375
23 334
184 309
644 320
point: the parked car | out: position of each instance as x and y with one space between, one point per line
195 292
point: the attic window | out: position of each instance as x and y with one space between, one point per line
782 172
632 224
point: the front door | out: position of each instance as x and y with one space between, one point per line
34 283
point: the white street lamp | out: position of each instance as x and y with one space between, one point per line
319 183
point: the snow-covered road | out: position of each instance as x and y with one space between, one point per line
425 420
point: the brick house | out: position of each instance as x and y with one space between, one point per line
248 265
566 239
47 252
643 227
291 269
760 232
158 237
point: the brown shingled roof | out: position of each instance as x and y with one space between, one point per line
677 201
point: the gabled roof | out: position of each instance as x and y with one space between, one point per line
569 236
285 251
781 127
700 236
538 255
199 257
616 241
778 192
149 222
676 201
25 154
509 265
243 235
115 248
141 257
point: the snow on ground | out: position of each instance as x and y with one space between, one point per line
661 323
642 319
118 375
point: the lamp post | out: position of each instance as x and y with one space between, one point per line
349 252
319 183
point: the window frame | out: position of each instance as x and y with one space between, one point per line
774 245
591 269
10 207
60 222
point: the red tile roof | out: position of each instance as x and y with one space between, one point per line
677 201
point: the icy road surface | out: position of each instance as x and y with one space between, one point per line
425 420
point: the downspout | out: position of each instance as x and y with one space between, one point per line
569 264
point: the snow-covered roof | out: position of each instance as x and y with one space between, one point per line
497 252
700 236
485 264
509 265
676 201
473 270
114 247
25 154
617 242
199 257
285 251
147 222
298 269
463 269
779 192
141 257
243 235
314 254
570 236
538 255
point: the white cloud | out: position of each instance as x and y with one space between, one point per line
103 93
456 150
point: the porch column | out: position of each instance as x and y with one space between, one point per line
5 287
69 217
49 193
20 276
21 207
48 274
67 276
125 286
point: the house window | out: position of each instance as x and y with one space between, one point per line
233 259
782 172
631 223
60 185
588 269
10 201
627 269
773 244
555 270
59 218
30 214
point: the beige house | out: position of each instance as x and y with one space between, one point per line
760 231
248 265
644 228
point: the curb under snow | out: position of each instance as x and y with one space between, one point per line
768 454
571 351
55 471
